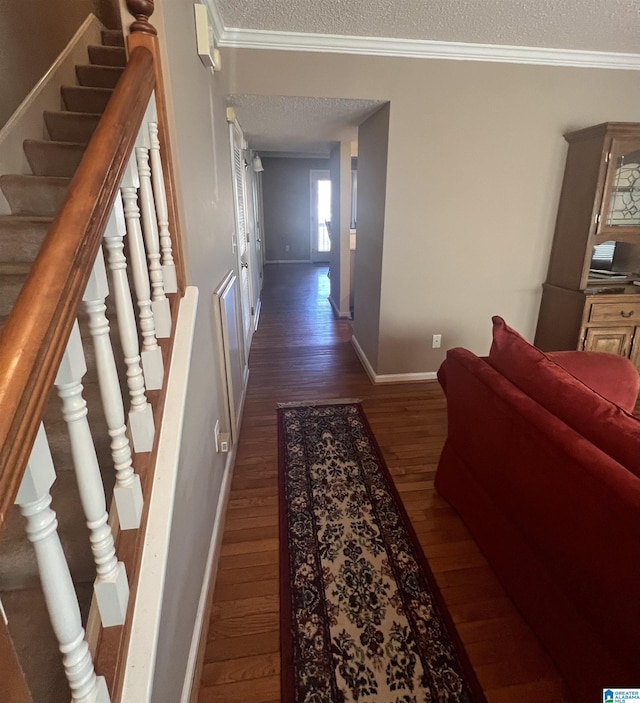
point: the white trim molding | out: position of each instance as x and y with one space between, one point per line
196 653
218 25
145 627
390 377
420 48
341 315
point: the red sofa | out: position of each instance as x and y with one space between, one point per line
544 469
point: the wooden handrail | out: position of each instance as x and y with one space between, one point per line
35 335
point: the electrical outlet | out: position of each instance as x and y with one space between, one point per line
286 248
223 440
436 341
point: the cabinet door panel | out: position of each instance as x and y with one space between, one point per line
620 209
614 340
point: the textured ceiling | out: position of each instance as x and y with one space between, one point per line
296 124
594 25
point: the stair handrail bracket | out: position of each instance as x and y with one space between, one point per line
36 332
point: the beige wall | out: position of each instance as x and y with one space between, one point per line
286 194
336 217
204 166
373 137
476 156
340 168
32 34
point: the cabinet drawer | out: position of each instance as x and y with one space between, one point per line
615 312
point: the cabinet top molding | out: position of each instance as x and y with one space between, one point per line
628 129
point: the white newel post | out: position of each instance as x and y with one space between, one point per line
128 491
159 301
111 587
141 423
34 499
157 177
151 352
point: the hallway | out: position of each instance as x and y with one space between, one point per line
300 352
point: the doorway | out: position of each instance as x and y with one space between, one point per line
320 215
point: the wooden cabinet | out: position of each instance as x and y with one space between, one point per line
589 300
611 323
613 340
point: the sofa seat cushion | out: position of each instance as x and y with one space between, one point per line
537 374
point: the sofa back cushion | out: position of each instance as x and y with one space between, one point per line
613 377
604 423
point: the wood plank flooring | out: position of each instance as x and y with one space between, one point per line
301 352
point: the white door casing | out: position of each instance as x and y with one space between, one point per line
319 251
241 238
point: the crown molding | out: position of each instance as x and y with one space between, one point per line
420 49
218 25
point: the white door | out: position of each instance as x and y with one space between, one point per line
320 215
242 231
259 237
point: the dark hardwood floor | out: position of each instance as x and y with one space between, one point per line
301 352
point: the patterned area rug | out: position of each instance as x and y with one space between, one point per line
362 618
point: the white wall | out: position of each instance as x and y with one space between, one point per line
475 164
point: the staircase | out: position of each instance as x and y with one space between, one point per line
33 200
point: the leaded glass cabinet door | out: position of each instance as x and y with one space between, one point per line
619 217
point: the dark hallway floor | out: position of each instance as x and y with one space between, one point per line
301 351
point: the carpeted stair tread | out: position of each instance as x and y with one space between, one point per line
34 195
53 158
78 98
33 201
76 127
35 642
98 76
21 237
108 55
10 286
17 552
112 37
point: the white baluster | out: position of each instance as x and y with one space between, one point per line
110 587
160 302
151 352
157 177
141 425
127 491
34 499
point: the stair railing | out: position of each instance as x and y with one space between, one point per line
121 192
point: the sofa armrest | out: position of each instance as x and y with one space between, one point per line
442 376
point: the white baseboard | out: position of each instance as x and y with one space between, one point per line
390 377
194 661
256 319
196 651
339 314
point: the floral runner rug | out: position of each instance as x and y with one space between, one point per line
362 618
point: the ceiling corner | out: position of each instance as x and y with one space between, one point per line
218 24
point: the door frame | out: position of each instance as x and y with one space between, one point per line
246 305
315 175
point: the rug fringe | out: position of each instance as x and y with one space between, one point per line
323 401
